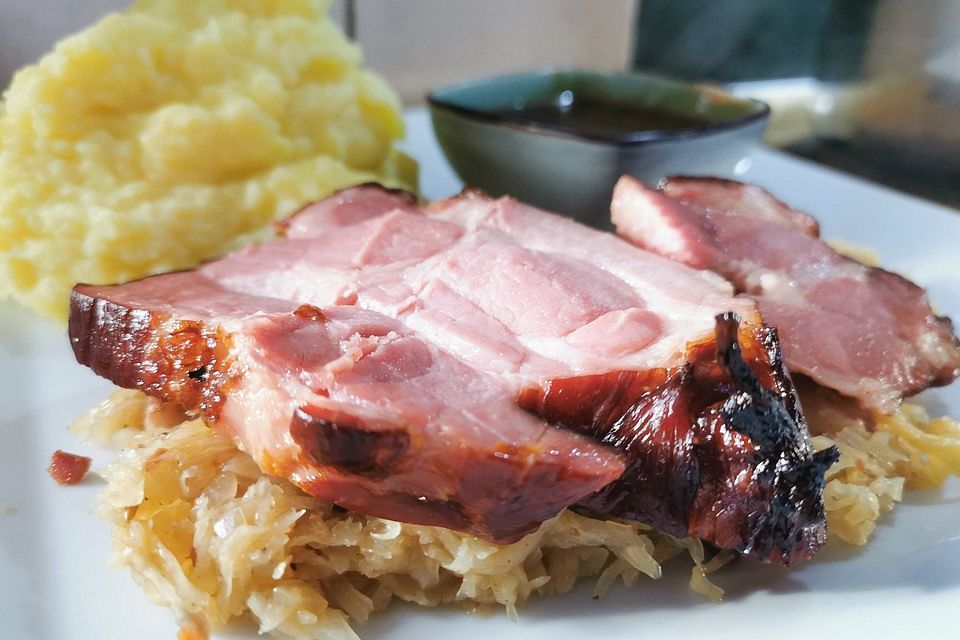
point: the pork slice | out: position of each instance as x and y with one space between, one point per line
684 301
347 403
346 208
609 340
531 293
863 331
488 308
719 194
657 278
322 265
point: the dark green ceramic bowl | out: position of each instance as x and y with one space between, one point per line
572 171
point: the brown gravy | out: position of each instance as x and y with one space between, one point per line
595 118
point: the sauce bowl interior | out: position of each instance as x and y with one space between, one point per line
522 101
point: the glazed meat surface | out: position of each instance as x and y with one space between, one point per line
494 362
865 332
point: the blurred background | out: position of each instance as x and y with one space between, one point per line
871 87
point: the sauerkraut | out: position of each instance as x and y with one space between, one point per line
209 535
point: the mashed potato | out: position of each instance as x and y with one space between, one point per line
209 535
164 135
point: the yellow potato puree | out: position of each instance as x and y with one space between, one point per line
167 134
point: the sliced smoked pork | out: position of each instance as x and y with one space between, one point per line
868 333
660 393
345 402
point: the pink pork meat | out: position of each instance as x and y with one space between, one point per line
522 363
865 332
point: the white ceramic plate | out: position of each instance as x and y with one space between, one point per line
54 584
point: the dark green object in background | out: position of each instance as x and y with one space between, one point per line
737 40
730 41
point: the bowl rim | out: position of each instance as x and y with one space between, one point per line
627 139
